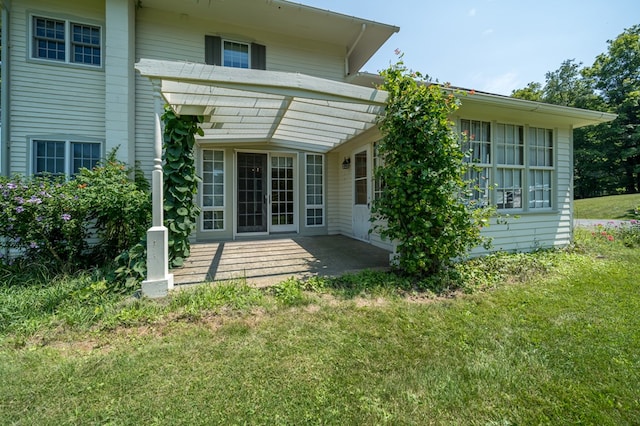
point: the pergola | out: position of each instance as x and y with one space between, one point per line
280 109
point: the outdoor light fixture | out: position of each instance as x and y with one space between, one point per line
346 163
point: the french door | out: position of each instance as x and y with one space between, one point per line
361 194
252 195
266 193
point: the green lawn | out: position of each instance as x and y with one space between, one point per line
612 207
556 344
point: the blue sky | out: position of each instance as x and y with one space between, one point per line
491 45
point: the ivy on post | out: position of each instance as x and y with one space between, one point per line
422 208
180 181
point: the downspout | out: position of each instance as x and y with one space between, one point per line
347 71
4 94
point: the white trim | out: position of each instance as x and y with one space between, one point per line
68 20
322 206
222 50
201 194
68 154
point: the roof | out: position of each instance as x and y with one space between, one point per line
507 107
360 37
286 110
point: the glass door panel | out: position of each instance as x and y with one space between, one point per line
252 185
282 194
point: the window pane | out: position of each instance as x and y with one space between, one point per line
235 55
49 157
314 190
85 155
509 189
85 44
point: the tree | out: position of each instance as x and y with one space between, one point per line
607 156
616 74
532 92
422 171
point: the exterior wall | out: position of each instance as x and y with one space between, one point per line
531 230
50 99
230 190
165 36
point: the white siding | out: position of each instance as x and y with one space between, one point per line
165 36
51 98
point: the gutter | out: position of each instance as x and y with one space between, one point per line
347 71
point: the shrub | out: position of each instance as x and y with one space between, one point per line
44 218
48 220
119 206
423 175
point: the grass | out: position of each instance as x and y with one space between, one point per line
545 338
611 207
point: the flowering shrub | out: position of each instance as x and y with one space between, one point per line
43 218
48 219
628 233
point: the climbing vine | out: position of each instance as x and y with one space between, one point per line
180 181
421 207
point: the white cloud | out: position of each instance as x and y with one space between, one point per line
472 12
487 31
502 84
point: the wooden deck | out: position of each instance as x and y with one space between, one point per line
266 262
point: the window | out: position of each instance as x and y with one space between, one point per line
237 54
378 184
476 143
314 190
501 155
65 41
212 190
509 144
540 142
59 157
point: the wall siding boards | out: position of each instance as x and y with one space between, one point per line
47 97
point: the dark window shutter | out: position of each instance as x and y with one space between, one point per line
258 56
212 50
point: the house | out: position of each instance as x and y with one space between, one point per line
289 132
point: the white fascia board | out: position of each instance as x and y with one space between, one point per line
260 81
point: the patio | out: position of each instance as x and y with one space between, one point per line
269 261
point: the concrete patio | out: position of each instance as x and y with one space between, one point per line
269 261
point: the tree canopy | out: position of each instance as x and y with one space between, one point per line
607 156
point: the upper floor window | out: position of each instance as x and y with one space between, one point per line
236 54
64 157
66 41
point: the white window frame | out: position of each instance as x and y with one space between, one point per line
308 206
517 166
68 41
222 50
492 167
68 152
479 168
214 208
549 154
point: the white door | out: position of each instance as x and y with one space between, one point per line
361 194
283 198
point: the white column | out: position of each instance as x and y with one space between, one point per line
119 58
159 281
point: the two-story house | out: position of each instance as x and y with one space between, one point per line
289 132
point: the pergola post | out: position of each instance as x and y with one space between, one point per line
159 281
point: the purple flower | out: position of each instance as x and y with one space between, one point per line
34 200
38 218
66 216
12 185
19 200
33 245
19 209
